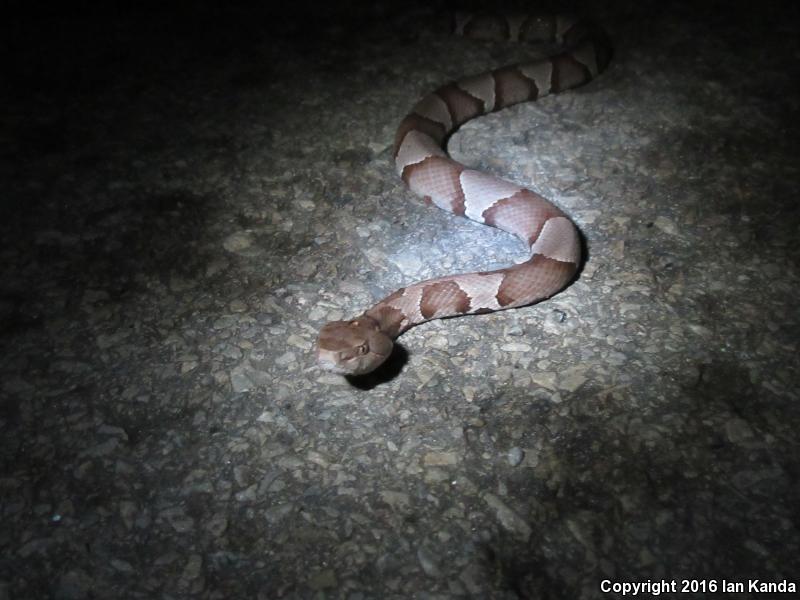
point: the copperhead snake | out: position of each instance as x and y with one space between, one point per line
360 345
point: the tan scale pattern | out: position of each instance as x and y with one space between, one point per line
434 108
482 191
538 277
512 87
461 106
480 87
438 178
443 298
522 214
416 147
584 54
558 239
540 72
429 172
415 123
568 73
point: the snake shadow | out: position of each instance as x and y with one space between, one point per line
585 257
383 374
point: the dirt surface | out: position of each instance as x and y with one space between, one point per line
189 195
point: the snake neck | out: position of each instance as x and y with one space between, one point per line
391 320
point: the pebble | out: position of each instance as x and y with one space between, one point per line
508 518
409 263
127 511
286 358
240 382
322 580
666 225
34 546
299 342
397 500
438 341
217 524
122 565
102 449
275 514
545 379
428 562
72 585
515 456
238 306
191 578
177 519
237 242
516 347
438 459
738 431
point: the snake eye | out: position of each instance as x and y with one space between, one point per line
362 349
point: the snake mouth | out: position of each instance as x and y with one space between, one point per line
329 363
333 368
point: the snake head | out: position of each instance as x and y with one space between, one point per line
352 347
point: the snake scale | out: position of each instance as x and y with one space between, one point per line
358 346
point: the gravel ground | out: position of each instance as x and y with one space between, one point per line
189 196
